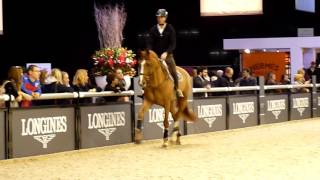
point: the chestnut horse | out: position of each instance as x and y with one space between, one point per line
159 89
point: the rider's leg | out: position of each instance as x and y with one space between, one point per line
172 69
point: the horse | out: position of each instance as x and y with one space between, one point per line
159 89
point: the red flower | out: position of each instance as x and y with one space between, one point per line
133 63
122 58
110 62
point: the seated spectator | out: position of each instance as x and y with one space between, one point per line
225 81
114 85
247 80
43 77
299 80
199 81
12 86
124 82
65 79
304 75
81 84
54 85
285 80
220 73
271 80
31 85
313 71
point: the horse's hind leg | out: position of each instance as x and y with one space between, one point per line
166 127
175 136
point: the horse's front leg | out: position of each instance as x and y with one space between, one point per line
166 126
138 130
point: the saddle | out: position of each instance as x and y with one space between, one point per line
164 66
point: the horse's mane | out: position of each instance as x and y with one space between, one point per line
149 54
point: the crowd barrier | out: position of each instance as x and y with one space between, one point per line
50 129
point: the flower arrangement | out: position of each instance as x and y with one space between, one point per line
108 59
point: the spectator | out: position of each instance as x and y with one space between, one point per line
31 84
113 85
12 86
43 76
303 73
299 80
123 82
194 72
81 84
271 80
54 85
285 79
247 80
313 71
219 73
225 81
200 81
65 79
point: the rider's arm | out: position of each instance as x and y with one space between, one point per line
172 39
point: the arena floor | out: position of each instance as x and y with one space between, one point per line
288 150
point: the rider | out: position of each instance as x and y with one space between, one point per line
162 40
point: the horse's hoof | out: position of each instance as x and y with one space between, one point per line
138 136
137 141
178 143
164 145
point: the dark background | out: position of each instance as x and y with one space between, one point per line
63 32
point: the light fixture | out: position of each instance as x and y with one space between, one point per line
247 51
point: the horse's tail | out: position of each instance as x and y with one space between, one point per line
186 113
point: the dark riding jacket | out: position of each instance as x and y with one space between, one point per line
160 43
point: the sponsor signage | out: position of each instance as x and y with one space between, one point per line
243 112
300 106
276 109
42 131
153 127
105 125
211 114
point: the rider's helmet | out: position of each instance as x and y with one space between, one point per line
162 13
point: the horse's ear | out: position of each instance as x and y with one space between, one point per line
144 54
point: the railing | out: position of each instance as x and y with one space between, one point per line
113 123
74 95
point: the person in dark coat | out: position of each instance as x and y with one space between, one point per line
115 86
247 80
162 40
226 80
81 84
54 84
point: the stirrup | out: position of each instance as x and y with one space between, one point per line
179 93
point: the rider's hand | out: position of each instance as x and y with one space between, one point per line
164 56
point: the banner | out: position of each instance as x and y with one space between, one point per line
276 109
300 106
105 125
211 114
261 63
42 131
243 112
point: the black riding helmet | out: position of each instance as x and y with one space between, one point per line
162 13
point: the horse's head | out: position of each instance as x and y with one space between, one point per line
148 65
